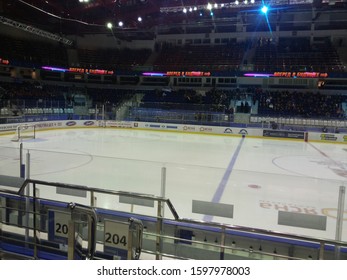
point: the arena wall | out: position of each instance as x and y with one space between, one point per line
187 128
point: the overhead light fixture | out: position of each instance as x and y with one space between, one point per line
264 9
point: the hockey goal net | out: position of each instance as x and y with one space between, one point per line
24 131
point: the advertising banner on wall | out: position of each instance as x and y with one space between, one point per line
7 128
328 137
187 128
201 129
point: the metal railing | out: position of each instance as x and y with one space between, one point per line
205 239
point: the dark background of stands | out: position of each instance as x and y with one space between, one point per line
218 92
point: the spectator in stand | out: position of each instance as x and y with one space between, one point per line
303 104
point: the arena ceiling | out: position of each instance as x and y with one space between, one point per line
91 16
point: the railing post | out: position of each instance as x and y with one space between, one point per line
27 199
34 220
71 240
160 215
339 219
92 223
21 166
321 251
222 243
163 186
93 199
159 241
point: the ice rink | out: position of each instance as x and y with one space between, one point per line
257 176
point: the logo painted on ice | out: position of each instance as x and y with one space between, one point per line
71 123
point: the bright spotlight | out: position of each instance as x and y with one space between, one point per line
252 1
120 24
109 25
190 9
185 10
209 6
139 19
264 9
237 2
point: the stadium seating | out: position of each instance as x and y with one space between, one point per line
299 57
